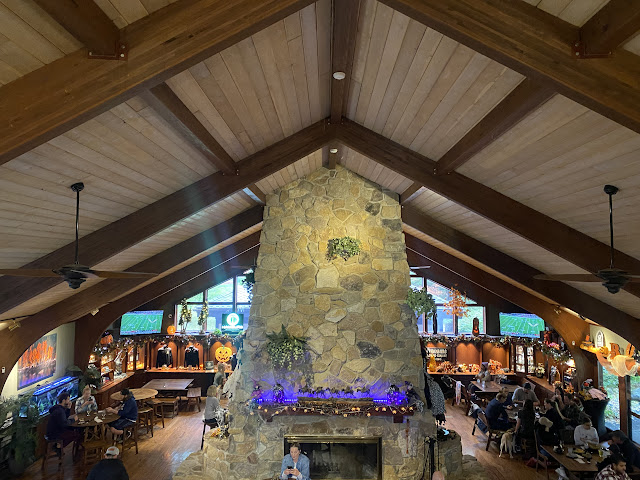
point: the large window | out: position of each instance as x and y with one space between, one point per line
634 409
612 412
447 324
226 297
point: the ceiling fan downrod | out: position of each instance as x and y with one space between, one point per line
77 187
611 191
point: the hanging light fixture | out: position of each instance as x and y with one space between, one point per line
457 304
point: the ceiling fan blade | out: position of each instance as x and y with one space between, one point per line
570 277
418 268
106 274
26 272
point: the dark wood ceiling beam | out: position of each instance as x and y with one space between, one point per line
412 192
87 23
74 89
566 242
611 26
570 327
167 104
345 30
256 194
126 232
559 292
523 100
538 45
17 341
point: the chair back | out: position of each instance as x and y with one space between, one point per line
465 394
483 417
95 433
194 392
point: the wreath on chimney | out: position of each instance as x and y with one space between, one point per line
345 247
284 349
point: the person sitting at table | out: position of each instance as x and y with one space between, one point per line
585 433
59 421
87 402
525 392
211 405
526 423
621 445
484 375
496 413
219 376
295 464
110 467
128 412
615 469
572 413
558 397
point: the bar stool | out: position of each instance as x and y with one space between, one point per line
212 423
94 444
129 437
50 451
158 411
145 419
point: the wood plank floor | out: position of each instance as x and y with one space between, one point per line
158 457
498 468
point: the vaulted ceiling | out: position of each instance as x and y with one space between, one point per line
497 136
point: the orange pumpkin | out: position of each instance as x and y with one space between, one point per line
223 354
171 329
106 340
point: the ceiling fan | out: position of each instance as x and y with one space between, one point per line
612 278
74 274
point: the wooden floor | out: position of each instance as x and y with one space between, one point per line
158 457
498 468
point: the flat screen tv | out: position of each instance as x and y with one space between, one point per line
521 325
141 322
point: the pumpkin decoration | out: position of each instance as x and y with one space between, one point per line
171 329
223 354
106 339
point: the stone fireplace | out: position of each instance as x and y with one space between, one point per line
360 332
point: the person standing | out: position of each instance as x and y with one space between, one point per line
109 468
219 376
295 464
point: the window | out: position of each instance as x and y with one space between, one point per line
634 409
447 324
612 412
226 297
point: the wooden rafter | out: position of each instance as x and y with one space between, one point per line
109 240
167 104
19 340
570 327
538 45
611 26
525 98
345 30
74 89
554 236
256 194
559 292
412 192
87 23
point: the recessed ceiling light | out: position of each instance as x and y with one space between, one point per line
339 75
333 150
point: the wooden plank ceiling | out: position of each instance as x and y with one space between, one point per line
409 83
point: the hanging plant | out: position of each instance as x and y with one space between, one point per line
185 315
345 247
284 349
420 301
202 317
248 282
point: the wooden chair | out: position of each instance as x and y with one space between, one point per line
541 460
146 420
94 444
194 395
492 434
158 411
207 423
129 438
50 451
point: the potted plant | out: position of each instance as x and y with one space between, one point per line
345 247
248 282
420 301
284 349
17 434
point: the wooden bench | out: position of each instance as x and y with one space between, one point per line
168 403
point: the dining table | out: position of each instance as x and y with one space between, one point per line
139 394
169 384
492 387
580 466
91 420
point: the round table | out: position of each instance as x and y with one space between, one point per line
85 420
138 393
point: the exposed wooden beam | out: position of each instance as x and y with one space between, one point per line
167 104
335 150
538 45
566 242
256 194
559 292
570 327
74 89
611 26
412 192
525 98
19 341
109 240
87 23
345 31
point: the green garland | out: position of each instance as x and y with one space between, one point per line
185 314
204 314
344 247
284 349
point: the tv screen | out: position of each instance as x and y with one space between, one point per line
137 323
521 324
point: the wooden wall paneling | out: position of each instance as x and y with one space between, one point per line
538 49
570 327
633 45
152 59
611 26
105 242
546 232
87 23
374 172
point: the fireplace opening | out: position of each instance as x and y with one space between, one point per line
340 458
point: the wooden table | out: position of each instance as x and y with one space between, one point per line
85 421
169 384
583 470
493 387
138 393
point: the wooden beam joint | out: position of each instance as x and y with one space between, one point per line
120 52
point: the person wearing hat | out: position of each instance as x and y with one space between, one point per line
110 467
523 393
128 412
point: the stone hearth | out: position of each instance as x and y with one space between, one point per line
361 333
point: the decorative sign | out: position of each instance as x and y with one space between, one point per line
599 340
232 323
440 354
38 362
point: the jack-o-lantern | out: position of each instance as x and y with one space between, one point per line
106 339
171 329
223 354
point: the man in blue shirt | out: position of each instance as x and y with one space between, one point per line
496 413
128 412
295 464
